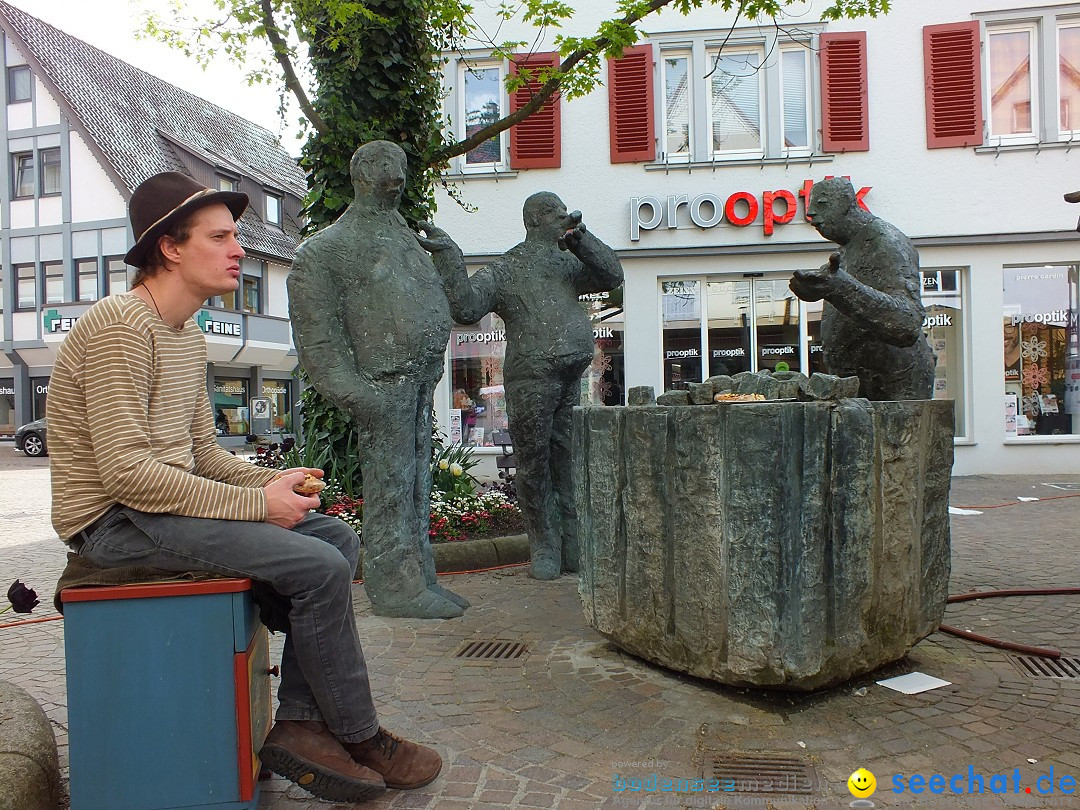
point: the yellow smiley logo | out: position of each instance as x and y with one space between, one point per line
862 784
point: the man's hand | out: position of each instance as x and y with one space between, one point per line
283 506
435 239
813 285
315 471
573 231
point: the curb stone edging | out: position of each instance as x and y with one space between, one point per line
472 555
29 764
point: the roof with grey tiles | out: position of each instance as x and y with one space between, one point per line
138 121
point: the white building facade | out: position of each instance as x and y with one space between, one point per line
694 161
81 129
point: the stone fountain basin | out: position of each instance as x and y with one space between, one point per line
791 545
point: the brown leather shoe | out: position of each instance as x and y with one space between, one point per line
305 752
404 765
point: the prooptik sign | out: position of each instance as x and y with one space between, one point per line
740 209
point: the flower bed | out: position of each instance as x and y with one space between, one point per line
465 517
458 510
454 518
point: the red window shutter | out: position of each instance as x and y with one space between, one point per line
845 112
952 63
536 142
631 107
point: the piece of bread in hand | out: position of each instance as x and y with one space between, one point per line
309 486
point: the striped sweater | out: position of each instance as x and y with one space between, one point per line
130 423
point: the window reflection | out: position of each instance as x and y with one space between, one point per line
483 107
676 106
736 102
1010 82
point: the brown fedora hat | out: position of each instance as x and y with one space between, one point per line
159 202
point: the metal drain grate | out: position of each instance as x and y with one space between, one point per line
761 773
1035 666
492 650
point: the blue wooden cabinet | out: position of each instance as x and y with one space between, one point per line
168 695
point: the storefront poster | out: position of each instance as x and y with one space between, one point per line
1072 385
1012 352
1011 409
455 426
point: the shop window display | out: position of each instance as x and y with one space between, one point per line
478 405
7 407
281 402
681 307
477 354
230 406
942 296
815 349
753 324
40 388
776 315
604 382
729 327
1041 350
756 323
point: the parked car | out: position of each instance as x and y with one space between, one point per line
30 438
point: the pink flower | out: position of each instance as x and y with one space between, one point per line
1035 375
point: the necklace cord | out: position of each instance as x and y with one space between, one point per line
157 309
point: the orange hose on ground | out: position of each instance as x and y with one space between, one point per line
1044 652
31 621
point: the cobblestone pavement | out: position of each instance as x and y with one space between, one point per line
554 729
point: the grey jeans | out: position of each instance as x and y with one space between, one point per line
323 673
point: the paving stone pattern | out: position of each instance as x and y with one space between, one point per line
552 730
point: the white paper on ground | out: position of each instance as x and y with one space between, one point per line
955 511
913 683
1025 500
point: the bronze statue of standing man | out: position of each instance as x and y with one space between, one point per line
534 288
371 323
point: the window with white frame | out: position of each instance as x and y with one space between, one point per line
795 111
1011 83
86 279
273 208
53 272
675 77
735 101
1031 70
481 102
1068 93
26 286
116 272
747 95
